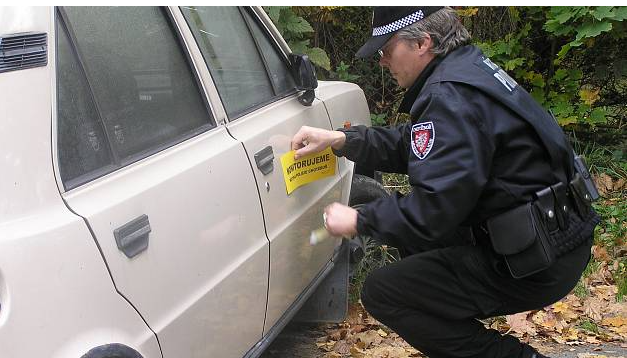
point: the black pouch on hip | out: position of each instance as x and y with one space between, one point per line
522 238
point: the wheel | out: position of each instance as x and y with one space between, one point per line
363 190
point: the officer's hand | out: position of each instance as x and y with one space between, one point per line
310 140
341 220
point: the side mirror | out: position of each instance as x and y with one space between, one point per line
305 77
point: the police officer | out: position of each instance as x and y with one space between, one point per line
480 153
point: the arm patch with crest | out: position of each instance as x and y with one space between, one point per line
422 139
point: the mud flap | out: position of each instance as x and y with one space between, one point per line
330 301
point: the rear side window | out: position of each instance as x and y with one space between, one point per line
247 69
279 72
125 89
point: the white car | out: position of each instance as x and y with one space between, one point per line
143 209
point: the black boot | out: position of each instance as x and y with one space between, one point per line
537 354
530 352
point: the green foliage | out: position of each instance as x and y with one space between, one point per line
589 326
376 256
620 277
582 22
603 159
545 51
378 119
611 232
581 290
297 32
343 74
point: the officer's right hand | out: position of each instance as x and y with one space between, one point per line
310 140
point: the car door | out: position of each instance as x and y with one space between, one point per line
253 78
167 193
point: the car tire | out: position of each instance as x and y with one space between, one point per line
113 350
363 190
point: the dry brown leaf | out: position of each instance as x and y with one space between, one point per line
326 346
357 353
337 334
360 345
603 183
518 323
332 355
563 309
573 301
358 328
592 307
621 331
342 347
369 338
606 292
546 320
614 321
356 314
592 339
600 253
389 352
617 309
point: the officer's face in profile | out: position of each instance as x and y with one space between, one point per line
405 59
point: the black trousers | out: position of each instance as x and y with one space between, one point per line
433 299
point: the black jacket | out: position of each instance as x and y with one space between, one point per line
468 152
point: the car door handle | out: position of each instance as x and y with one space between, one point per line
132 237
265 160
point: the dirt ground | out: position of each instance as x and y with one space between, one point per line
298 340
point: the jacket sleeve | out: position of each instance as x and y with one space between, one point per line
378 148
446 182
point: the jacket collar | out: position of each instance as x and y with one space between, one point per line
412 93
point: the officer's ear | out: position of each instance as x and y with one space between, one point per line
423 45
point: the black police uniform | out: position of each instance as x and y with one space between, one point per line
470 153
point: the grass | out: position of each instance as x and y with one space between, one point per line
589 326
602 159
620 277
612 230
376 256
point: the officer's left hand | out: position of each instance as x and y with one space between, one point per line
341 220
310 140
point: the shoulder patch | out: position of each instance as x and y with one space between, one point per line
422 139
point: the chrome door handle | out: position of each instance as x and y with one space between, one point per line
265 160
132 237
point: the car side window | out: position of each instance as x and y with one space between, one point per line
280 74
245 77
83 146
125 89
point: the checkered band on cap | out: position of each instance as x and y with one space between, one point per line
398 24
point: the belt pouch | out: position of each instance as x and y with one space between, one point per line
523 239
581 196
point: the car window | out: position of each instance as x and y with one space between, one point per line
245 79
279 72
83 147
125 87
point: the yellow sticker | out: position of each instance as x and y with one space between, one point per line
307 169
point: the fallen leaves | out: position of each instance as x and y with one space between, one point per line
605 184
361 336
573 321
518 323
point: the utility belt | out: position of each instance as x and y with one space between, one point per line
532 236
